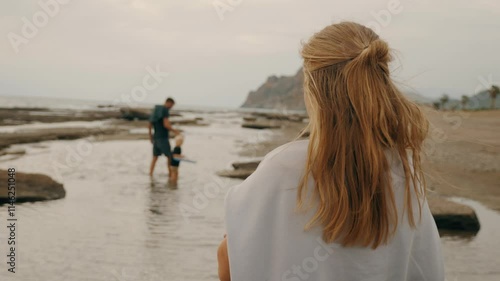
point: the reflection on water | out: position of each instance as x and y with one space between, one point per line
117 223
474 257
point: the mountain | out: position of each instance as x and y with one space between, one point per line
286 92
278 93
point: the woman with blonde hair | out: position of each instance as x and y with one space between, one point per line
349 202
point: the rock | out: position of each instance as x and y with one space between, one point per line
129 113
278 92
260 125
287 92
19 116
237 174
297 118
280 116
32 187
54 134
247 165
249 119
453 216
11 151
186 121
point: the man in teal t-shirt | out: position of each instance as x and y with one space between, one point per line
159 121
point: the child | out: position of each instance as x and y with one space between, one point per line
176 156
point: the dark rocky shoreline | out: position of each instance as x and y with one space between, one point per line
21 115
120 120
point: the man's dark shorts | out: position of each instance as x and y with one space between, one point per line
162 146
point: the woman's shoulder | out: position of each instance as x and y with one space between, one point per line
288 155
281 167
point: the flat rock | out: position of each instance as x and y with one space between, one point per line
19 115
135 113
139 113
236 174
197 121
31 188
281 116
40 135
249 119
11 151
260 125
453 216
247 165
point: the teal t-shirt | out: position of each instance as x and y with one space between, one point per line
159 130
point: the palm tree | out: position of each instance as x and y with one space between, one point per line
444 99
494 91
465 101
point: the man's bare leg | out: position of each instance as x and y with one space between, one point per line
152 167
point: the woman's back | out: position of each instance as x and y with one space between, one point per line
267 240
357 184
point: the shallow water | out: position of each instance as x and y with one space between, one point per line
118 224
474 257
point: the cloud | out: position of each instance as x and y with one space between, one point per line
98 48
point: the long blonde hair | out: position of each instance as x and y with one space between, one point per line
357 114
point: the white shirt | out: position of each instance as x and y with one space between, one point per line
267 241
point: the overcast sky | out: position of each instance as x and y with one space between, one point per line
215 52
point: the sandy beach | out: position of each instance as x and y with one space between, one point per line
463 155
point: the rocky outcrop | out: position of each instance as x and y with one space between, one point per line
19 115
129 113
140 113
285 92
32 187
